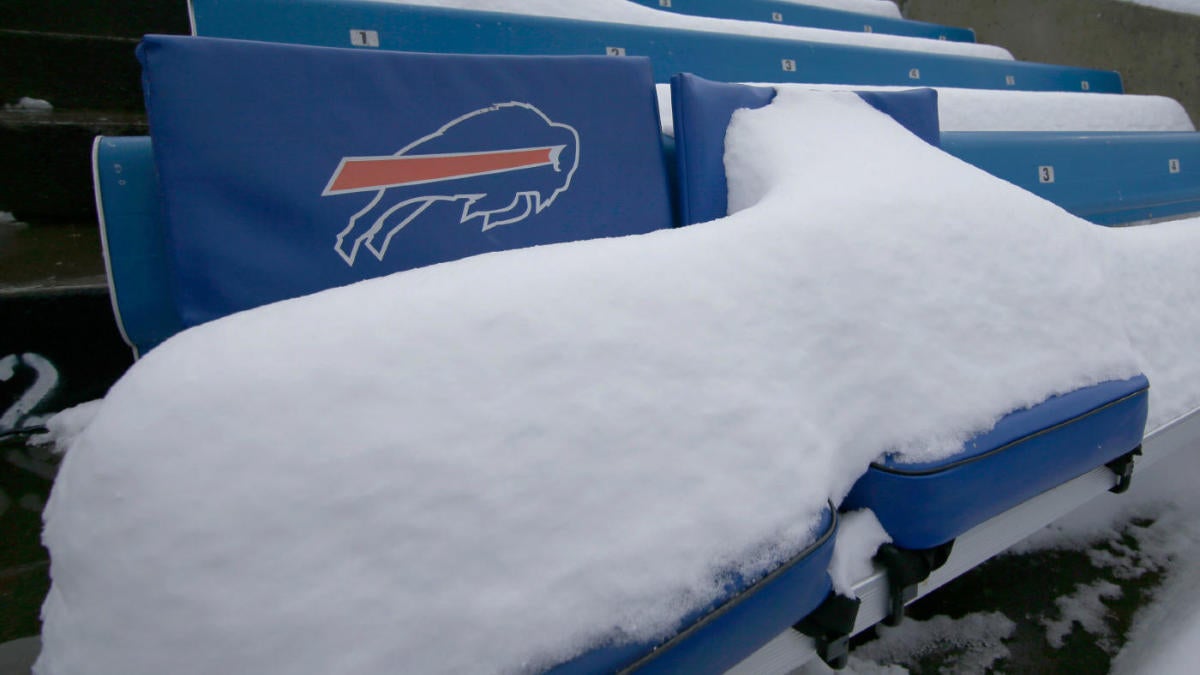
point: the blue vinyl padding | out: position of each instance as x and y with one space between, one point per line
135 248
1107 178
718 637
261 148
922 505
702 110
792 14
713 55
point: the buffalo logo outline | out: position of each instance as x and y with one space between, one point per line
380 174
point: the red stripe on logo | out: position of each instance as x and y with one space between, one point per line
383 172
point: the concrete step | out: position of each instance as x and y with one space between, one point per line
45 257
46 175
71 71
123 18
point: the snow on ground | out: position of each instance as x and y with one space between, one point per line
28 104
1166 633
552 448
878 7
621 11
976 638
1182 6
988 110
1085 608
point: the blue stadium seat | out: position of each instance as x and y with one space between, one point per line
1028 452
375 165
789 13
1108 178
265 152
129 203
926 505
733 58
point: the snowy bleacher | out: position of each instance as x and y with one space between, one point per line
708 322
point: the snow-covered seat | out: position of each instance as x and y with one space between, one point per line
927 505
267 154
823 56
796 14
1108 178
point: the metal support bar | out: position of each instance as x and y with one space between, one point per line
791 649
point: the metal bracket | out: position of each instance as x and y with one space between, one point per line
830 626
905 569
1123 467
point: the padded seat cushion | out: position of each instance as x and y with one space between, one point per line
737 625
926 504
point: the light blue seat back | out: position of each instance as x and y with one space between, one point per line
1107 178
135 249
792 14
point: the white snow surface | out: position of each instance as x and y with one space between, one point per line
1181 6
1166 633
63 427
551 448
877 7
990 110
859 536
621 11
1085 608
1156 284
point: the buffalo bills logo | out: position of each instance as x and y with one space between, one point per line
504 162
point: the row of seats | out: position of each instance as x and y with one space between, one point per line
252 189
726 57
794 14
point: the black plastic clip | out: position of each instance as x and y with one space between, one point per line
830 625
1123 467
905 569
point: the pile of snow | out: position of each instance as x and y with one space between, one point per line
1156 284
1181 6
554 448
622 11
990 110
1084 607
29 104
859 536
877 7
